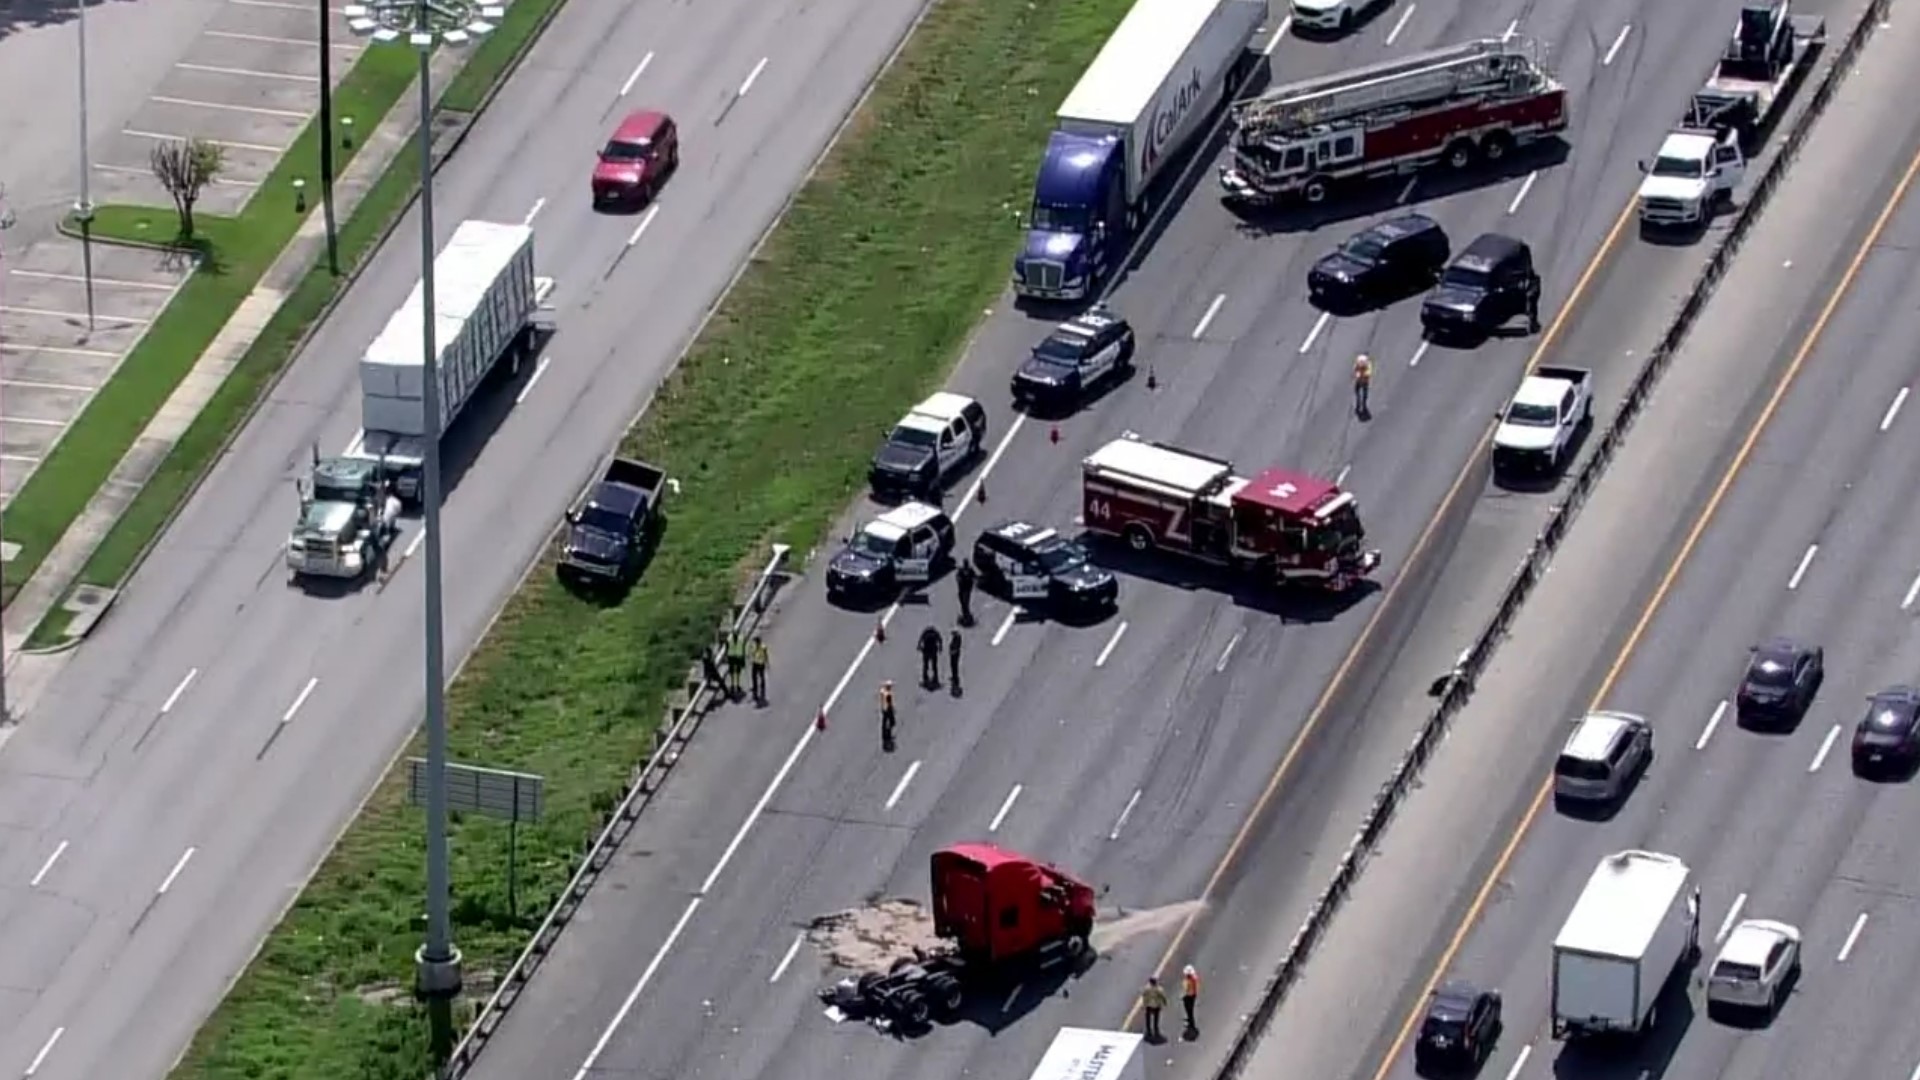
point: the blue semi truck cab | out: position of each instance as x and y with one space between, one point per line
1081 219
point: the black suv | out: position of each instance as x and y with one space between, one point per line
1487 284
1461 1026
1076 357
1032 563
1383 262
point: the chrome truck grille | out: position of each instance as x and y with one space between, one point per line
1045 275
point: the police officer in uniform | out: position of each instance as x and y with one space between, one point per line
930 658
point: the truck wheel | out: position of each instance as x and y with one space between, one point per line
1138 538
1496 145
1460 154
914 1007
948 995
1316 190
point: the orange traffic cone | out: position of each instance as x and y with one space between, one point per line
820 720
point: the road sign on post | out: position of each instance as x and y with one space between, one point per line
512 797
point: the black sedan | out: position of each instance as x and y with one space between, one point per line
1460 1028
1888 736
1782 677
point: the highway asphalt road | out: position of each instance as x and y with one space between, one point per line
1131 756
178 779
1775 507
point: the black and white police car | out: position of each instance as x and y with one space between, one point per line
1075 358
906 545
1034 564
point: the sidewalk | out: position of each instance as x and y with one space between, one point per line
28 674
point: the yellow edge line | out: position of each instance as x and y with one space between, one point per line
1341 672
1654 603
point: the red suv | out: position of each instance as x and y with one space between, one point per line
643 151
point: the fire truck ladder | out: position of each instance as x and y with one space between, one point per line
1475 67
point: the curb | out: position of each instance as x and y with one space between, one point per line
1459 683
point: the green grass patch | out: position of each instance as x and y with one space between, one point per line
858 305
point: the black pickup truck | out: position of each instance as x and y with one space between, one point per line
608 530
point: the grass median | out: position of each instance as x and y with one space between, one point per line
236 251
858 304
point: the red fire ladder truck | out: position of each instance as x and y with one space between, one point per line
1458 105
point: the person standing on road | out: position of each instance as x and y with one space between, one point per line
930 658
1152 1000
953 661
1362 383
736 663
963 578
1533 305
759 661
887 717
1189 994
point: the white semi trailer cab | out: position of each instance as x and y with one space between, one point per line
1090 1054
487 306
1636 923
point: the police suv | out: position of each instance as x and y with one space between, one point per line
903 546
1035 564
929 444
1074 359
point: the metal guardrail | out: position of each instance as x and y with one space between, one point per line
645 782
1460 682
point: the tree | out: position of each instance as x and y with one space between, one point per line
185 167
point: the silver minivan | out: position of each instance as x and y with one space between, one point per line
1603 755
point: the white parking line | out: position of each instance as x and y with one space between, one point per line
1893 410
45 1049
538 204
51 313
1125 813
1826 745
284 5
1520 1062
268 39
35 423
1853 935
301 700
994 825
1118 633
61 350
532 381
1419 352
1005 625
24 459
1226 654
1279 32
173 875
174 698
128 170
1319 324
33 384
1733 915
1401 24
47 867
1614 49
788 958
1207 319
1719 711
253 110
77 279
638 70
246 72
228 144
1801 570
900 788
752 77
1913 591
1521 195
1512 29
646 220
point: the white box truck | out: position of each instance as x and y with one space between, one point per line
1143 100
1089 1054
486 307
1635 924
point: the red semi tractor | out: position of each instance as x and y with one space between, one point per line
1287 526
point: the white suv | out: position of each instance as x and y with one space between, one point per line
1758 961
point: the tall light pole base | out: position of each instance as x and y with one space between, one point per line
437 979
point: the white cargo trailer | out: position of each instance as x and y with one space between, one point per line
486 303
1635 924
1088 1054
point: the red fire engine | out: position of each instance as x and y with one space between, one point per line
1295 527
1457 105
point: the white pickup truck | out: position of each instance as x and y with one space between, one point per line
1693 176
1538 427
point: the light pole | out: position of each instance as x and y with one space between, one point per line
6 709
326 134
424 24
83 210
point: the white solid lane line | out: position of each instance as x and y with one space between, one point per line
1826 745
46 1048
1207 319
1279 32
752 77
1521 195
1319 324
1719 711
1512 29
1226 654
1801 570
1915 1075
1733 916
1520 1062
301 700
538 204
900 788
638 70
414 544
1005 625
639 987
1401 24
1118 632
994 825
174 698
532 381
1419 352
1407 192
1613 50
1125 813
1913 592
1853 935
185 857
1893 410
47 867
1341 476
640 230
787 960
967 500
